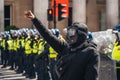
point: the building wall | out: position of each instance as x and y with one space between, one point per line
2 15
18 7
119 11
92 16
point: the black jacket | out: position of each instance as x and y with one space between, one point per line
75 64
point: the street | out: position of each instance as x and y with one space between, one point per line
6 74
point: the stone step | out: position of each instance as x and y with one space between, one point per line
12 75
6 74
15 78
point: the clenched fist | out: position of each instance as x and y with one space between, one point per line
29 14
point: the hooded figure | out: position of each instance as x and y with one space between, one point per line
79 61
77 34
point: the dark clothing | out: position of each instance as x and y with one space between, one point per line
118 70
79 63
52 70
42 61
118 74
92 44
41 69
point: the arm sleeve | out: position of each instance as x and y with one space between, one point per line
92 68
58 45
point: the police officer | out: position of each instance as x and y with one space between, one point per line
15 62
53 55
28 61
42 61
1 47
116 51
10 43
19 55
90 40
4 53
35 47
79 61
23 55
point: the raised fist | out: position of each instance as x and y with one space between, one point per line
29 14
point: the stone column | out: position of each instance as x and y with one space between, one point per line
1 15
79 11
40 10
112 13
92 15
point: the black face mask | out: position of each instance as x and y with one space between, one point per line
72 35
75 37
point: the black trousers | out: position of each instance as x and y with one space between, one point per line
118 70
2 55
19 58
12 59
29 66
118 74
52 70
41 69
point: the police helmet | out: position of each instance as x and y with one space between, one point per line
116 29
90 36
55 32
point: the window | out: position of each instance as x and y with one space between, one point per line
7 15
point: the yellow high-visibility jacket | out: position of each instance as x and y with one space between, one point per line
3 44
41 47
10 44
28 49
53 53
18 43
116 52
23 42
15 45
35 47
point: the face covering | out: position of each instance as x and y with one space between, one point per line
72 35
77 34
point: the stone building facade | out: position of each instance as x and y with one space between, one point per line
97 14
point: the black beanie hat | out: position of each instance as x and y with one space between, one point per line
82 31
82 27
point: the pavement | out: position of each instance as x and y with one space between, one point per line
6 74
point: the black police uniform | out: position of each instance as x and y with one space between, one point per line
42 63
4 53
76 63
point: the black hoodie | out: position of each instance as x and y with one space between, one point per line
81 63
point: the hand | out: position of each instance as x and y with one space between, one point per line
29 14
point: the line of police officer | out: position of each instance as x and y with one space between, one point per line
26 52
